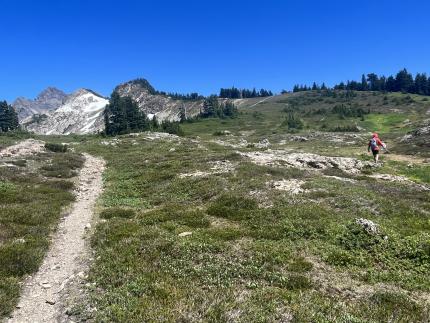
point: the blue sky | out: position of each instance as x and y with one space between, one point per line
186 46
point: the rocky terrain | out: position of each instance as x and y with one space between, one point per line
55 113
419 136
81 113
161 106
48 100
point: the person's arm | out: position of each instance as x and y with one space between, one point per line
380 143
368 147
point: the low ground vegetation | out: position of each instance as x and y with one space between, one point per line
231 246
33 193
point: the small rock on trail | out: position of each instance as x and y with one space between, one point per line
45 293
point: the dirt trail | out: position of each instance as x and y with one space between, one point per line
45 293
405 158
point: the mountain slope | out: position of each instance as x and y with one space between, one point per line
163 107
48 100
81 113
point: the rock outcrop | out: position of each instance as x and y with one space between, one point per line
420 136
305 160
81 113
48 100
162 107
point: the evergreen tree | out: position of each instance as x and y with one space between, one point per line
154 125
404 81
420 86
364 85
230 110
8 117
390 85
122 115
210 107
428 86
374 83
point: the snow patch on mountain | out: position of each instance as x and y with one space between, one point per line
81 113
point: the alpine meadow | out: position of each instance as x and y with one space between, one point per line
215 162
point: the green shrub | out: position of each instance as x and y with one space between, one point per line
345 128
293 122
56 148
232 207
297 282
117 213
300 265
355 237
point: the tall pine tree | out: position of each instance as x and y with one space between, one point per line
8 117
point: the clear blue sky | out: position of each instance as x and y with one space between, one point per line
187 46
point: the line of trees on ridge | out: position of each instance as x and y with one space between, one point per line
403 82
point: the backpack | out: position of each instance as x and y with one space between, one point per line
373 143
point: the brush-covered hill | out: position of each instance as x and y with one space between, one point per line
402 119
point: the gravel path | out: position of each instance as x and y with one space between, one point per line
45 293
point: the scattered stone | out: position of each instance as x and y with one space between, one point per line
342 179
46 285
299 138
242 143
184 234
292 186
305 160
88 226
217 167
262 144
160 135
422 132
172 150
50 302
369 226
23 148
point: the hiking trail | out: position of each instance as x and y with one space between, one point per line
45 293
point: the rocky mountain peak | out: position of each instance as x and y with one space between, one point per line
140 84
50 94
48 100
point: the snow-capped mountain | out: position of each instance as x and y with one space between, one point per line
162 106
81 113
48 100
55 113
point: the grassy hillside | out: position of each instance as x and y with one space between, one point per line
217 226
193 230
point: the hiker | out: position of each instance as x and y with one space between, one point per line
375 144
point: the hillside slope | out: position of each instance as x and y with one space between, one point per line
163 107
